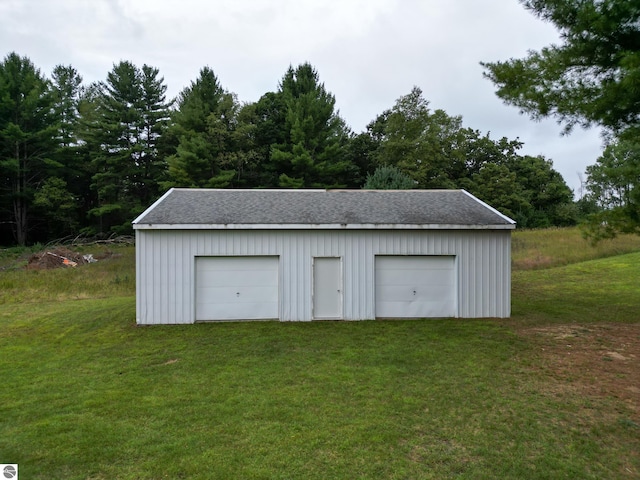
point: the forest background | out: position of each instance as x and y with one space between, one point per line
80 159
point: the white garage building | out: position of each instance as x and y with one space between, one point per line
298 255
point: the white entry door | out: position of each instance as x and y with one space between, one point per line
415 286
236 288
327 288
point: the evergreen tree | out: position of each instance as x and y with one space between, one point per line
205 128
125 116
591 77
270 130
388 178
315 137
154 120
59 197
27 141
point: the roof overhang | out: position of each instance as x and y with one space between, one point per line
331 226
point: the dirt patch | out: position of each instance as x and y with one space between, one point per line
594 360
58 257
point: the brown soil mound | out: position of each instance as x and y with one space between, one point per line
58 257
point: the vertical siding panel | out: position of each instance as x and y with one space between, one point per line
186 306
306 307
156 239
497 272
175 275
470 263
304 278
159 260
487 281
362 280
188 293
141 280
500 276
290 280
349 262
300 266
463 256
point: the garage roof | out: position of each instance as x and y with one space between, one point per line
182 208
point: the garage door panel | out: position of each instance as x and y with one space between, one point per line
236 264
236 288
415 286
414 262
237 294
216 278
415 277
409 276
244 311
414 293
413 310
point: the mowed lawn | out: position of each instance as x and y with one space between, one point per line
86 394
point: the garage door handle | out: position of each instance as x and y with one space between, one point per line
414 292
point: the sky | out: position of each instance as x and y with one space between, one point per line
368 53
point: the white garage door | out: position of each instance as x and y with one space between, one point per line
415 286
236 288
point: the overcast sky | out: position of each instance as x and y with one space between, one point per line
367 53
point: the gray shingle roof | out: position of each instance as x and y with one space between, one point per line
321 207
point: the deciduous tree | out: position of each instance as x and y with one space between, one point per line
422 143
613 184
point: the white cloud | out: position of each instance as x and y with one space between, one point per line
368 53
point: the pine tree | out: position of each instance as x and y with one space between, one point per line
205 126
313 151
58 197
124 118
27 141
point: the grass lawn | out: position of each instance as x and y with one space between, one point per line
89 395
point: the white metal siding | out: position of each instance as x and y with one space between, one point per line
166 267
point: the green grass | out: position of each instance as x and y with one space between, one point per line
603 290
89 395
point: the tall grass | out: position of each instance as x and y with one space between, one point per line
552 247
115 276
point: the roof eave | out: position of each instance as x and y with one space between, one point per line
322 226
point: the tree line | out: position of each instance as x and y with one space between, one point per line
591 77
87 159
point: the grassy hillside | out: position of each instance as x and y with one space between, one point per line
553 247
89 395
